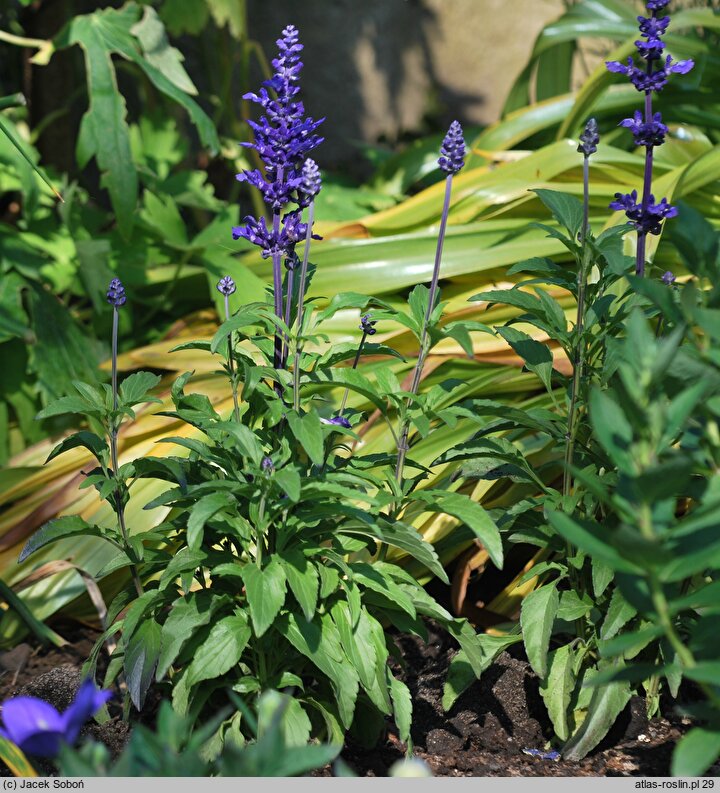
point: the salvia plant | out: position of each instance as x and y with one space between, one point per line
273 569
273 572
626 566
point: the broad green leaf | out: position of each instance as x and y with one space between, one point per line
566 209
606 705
134 388
402 709
618 614
696 752
186 615
141 656
57 529
150 32
202 511
83 439
472 514
535 354
356 641
308 431
219 653
537 615
557 688
265 591
302 577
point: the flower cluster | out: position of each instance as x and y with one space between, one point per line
283 138
648 129
647 216
38 729
116 293
589 138
367 324
452 151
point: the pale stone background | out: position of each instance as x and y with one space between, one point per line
376 68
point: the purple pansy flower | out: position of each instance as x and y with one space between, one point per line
37 728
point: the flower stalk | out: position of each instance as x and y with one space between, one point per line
116 297
451 161
226 286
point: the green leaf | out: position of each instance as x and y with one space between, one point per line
289 480
205 508
44 633
607 703
566 209
57 529
472 514
591 538
618 614
219 653
187 615
537 356
150 32
302 577
557 688
696 752
134 389
83 439
265 590
356 640
104 132
141 656
294 723
315 641
402 709
612 429
308 431
537 615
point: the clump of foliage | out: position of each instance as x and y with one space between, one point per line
270 572
628 564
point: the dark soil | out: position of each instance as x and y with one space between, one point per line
484 734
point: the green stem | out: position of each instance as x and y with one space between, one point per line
301 305
231 364
424 347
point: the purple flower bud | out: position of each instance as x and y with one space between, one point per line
267 465
589 138
668 278
116 293
657 5
311 179
338 421
226 286
452 151
367 324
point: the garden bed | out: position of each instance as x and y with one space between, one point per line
484 734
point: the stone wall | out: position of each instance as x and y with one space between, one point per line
376 68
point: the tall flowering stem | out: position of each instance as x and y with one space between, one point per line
589 140
648 129
451 161
226 286
116 297
310 186
283 138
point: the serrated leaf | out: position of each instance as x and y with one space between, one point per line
202 511
219 653
68 526
606 705
557 688
308 431
302 577
83 439
265 591
566 209
537 615
402 709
